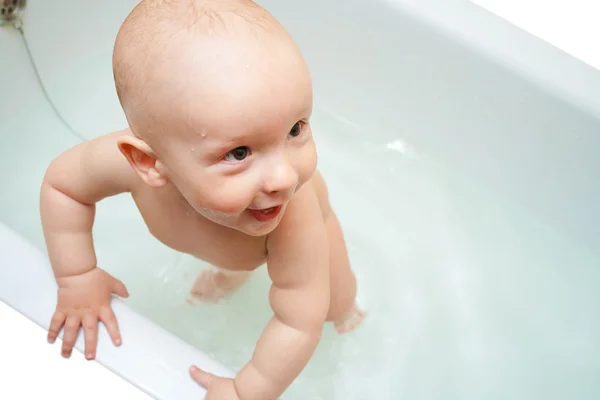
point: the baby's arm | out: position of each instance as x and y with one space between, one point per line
298 264
73 183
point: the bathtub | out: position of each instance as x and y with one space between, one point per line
462 156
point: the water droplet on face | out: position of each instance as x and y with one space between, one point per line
203 133
193 149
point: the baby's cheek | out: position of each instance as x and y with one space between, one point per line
232 198
230 204
307 163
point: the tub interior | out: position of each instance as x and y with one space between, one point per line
465 190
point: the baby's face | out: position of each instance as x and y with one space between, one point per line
241 142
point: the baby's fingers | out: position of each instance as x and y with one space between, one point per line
110 321
58 319
70 334
202 377
119 289
90 333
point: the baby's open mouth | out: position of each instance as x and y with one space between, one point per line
265 214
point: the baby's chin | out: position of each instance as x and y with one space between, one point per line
255 232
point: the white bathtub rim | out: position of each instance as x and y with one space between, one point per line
150 358
563 75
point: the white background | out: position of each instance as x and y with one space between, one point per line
569 25
30 368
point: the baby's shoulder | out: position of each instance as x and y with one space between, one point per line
91 170
104 163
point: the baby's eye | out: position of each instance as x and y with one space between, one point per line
296 129
238 154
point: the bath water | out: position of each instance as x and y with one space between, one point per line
468 295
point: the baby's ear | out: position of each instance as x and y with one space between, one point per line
142 159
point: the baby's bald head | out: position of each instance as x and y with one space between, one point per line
165 48
219 98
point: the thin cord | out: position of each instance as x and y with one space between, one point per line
19 27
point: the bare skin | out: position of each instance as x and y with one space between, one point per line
228 176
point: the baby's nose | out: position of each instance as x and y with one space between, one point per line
281 177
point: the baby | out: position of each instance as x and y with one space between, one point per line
220 160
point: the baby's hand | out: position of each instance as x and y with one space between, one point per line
82 301
217 388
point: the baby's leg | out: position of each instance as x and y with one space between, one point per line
212 285
343 311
